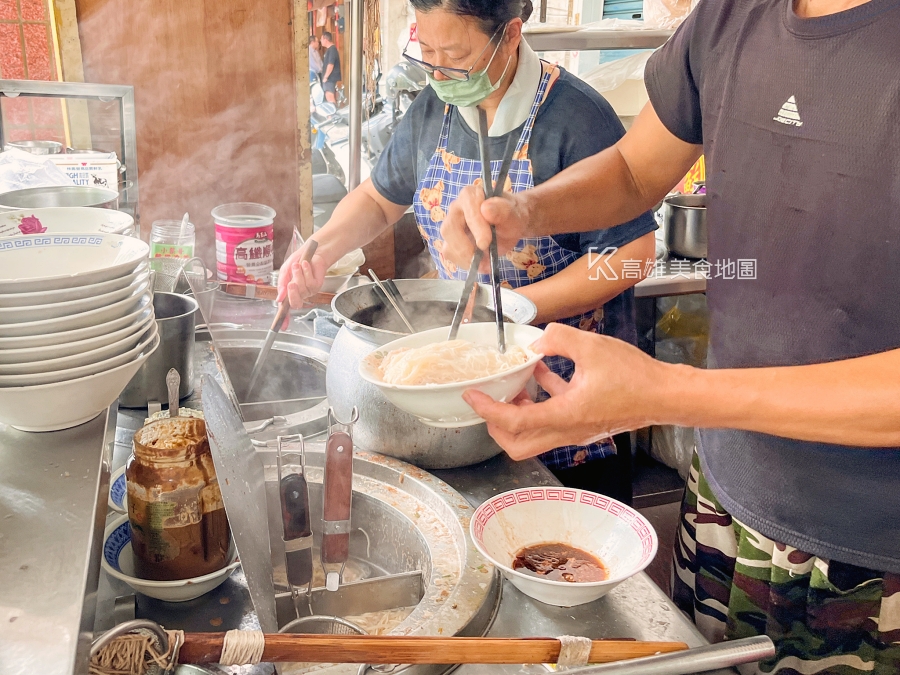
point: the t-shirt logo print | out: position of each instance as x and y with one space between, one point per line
789 114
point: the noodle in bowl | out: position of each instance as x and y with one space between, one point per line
442 405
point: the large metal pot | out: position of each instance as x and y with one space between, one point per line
36 147
685 224
175 317
367 324
60 195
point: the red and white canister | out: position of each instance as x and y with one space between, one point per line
245 242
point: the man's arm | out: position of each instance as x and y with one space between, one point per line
328 70
610 188
616 388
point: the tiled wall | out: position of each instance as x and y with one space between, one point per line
26 53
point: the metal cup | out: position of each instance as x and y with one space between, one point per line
175 317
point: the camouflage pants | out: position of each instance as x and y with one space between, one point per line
827 618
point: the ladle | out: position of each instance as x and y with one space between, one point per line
280 316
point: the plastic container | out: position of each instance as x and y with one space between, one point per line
170 246
245 242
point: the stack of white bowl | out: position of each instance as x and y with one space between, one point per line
65 219
76 323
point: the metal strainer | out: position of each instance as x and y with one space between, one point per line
322 624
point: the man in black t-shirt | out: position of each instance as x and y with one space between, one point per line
791 518
331 68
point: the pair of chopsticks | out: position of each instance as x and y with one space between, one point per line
490 190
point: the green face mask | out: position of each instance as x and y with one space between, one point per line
471 92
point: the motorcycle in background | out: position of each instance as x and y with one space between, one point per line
331 130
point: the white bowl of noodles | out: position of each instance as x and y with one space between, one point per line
415 379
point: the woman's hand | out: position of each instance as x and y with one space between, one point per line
616 388
468 224
300 279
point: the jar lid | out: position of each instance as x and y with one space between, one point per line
243 214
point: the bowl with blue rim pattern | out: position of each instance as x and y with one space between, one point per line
118 489
118 562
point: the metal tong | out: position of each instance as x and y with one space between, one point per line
293 491
490 190
283 311
338 491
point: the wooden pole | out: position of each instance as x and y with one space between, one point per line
202 648
300 25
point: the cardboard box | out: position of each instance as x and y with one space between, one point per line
90 169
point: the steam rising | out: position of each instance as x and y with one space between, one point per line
215 104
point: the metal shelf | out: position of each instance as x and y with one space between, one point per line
585 39
122 94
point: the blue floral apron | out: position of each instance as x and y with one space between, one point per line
532 260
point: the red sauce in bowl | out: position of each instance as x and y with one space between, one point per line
560 562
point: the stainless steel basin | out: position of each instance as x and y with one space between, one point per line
404 519
291 396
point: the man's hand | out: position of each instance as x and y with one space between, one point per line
616 388
300 279
468 224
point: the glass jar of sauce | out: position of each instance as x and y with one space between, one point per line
178 525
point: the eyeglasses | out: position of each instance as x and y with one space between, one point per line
455 73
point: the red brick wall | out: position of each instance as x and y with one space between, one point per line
26 53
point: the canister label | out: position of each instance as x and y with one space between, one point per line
245 254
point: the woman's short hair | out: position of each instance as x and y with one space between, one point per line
491 14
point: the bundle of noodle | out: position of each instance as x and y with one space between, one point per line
448 362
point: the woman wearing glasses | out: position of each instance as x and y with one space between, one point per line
474 55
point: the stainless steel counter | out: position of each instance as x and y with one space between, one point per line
636 609
673 277
53 491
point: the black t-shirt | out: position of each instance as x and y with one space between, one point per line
332 57
800 123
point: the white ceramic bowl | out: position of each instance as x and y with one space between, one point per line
348 264
67 339
442 405
49 377
76 348
71 294
118 562
61 405
43 262
334 283
65 219
94 317
92 356
56 310
617 534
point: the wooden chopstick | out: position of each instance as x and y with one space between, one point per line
200 648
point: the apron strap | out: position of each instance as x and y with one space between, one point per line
445 130
550 74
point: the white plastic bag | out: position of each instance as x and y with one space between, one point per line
613 74
622 83
666 14
20 170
